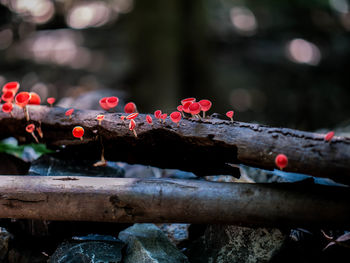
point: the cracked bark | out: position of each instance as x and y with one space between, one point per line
130 200
202 146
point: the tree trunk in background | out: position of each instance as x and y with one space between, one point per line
168 52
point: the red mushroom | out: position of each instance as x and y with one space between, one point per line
7 108
194 109
30 129
69 113
188 100
11 86
132 116
281 161
328 137
112 102
100 118
78 132
51 101
229 114
186 105
7 96
163 116
103 103
205 106
132 126
180 109
157 115
22 100
149 119
176 117
130 108
122 118
34 99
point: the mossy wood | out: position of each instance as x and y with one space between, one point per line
129 200
204 147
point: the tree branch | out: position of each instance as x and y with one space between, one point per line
201 146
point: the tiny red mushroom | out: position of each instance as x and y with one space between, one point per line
69 113
78 132
205 106
281 161
132 116
328 137
186 105
112 102
7 108
163 116
188 100
130 108
7 96
176 117
103 103
122 118
100 118
149 119
30 128
132 126
51 101
229 114
22 100
157 115
11 86
195 108
34 99
180 109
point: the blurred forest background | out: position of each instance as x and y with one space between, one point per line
282 63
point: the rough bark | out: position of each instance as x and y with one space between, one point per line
129 200
205 147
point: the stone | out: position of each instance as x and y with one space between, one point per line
231 244
146 243
4 243
176 233
88 252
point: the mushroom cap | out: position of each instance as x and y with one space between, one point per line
132 125
175 116
329 136
281 161
22 99
34 99
112 102
163 116
149 119
187 100
186 105
11 86
194 108
69 112
130 107
7 96
205 105
157 114
51 100
7 107
100 117
132 116
78 131
30 128
179 108
103 103
230 113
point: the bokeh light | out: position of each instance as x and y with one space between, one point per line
304 52
243 20
37 11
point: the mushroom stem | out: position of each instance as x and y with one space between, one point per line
25 110
11 114
134 133
70 117
203 114
99 122
36 139
231 120
178 124
40 132
81 138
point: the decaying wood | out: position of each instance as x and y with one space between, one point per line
129 200
202 146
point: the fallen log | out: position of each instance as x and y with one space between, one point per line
204 147
130 200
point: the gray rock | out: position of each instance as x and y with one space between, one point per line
148 244
50 166
4 243
88 252
230 244
175 232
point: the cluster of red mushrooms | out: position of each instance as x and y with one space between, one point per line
189 107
